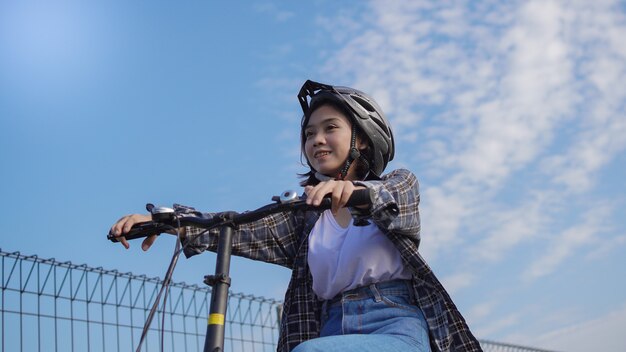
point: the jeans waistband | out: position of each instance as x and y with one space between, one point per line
392 287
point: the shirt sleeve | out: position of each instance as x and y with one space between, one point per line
395 205
271 239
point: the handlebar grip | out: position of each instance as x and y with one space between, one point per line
361 197
139 230
358 197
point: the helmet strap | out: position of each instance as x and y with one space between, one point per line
353 155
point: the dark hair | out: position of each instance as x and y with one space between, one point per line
362 169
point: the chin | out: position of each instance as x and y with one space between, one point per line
331 173
327 171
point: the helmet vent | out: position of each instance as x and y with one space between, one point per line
364 103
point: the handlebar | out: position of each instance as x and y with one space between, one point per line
166 219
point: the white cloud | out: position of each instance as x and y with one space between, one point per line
602 70
509 229
508 112
274 11
606 246
568 242
441 219
457 281
498 325
515 120
501 81
480 311
605 333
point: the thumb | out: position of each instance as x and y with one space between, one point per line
147 243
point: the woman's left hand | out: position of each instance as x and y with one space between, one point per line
340 193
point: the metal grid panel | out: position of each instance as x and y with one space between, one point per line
49 305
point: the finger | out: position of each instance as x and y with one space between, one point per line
322 191
348 189
336 197
130 221
127 225
312 191
307 191
116 229
147 243
123 241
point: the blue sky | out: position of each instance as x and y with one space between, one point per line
511 114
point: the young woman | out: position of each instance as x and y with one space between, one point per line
358 282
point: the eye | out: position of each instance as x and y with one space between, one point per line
308 134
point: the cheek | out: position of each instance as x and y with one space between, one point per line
342 141
306 149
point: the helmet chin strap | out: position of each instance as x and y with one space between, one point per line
354 154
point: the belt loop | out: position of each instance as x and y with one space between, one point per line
377 296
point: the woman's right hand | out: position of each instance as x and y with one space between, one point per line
123 225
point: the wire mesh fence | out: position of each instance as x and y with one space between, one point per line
49 305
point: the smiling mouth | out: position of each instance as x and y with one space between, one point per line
320 154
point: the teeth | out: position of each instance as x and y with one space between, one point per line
321 154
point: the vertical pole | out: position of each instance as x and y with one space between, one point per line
220 282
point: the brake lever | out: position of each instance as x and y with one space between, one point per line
161 218
141 229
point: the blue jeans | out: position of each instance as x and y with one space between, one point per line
381 317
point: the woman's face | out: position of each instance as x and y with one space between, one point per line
327 140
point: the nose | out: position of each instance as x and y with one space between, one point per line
317 139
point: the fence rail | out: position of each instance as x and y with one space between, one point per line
49 305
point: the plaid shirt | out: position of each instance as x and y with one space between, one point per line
282 239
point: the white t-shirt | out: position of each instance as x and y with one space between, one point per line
345 258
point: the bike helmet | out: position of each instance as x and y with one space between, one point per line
363 112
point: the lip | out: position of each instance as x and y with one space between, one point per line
321 153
